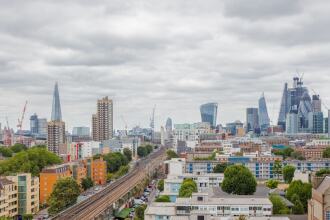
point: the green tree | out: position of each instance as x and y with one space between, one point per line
87 183
302 190
288 173
142 151
139 212
163 198
239 180
171 154
220 168
31 161
272 184
277 168
160 185
326 153
115 161
298 208
149 148
279 207
128 154
18 147
64 195
6 152
322 172
188 187
121 172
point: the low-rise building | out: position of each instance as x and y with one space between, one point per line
48 178
211 204
319 205
8 198
96 170
27 193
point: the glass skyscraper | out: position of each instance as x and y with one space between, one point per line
252 120
209 113
264 120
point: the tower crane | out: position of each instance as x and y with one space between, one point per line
122 118
20 124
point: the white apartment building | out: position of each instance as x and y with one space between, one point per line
90 148
204 206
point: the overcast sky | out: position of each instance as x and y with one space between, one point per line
175 54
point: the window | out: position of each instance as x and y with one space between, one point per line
200 217
199 198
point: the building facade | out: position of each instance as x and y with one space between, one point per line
8 198
102 121
48 178
209 113
264 120
319 205
27 193
56 136
252 120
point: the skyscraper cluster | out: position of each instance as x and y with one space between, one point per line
257 119
299 113
102 121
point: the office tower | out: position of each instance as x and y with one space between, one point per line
305 107
325 126
34 124
102 121
42 126
316 103
316 122
56 127
296 98
284 107
252 120
292 123
209 113
234 127
264 120
168 125
56 108
81 131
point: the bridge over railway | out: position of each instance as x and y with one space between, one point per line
101 205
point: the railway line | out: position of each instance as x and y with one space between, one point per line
98 203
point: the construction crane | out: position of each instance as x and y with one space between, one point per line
20 124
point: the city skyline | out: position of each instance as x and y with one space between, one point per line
230 61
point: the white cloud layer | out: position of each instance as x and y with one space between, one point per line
176 54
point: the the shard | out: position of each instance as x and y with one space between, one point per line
264 121
56 108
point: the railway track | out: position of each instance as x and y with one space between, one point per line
96 204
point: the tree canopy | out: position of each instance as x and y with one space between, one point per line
188 186
220 168
128 154
64 195
142 151
288 173
139 211
114 161
31 161
272 184
160 185
171 154
86 183
239 180
279 207
163 198
300 190
326 153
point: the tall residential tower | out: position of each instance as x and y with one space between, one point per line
102 121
